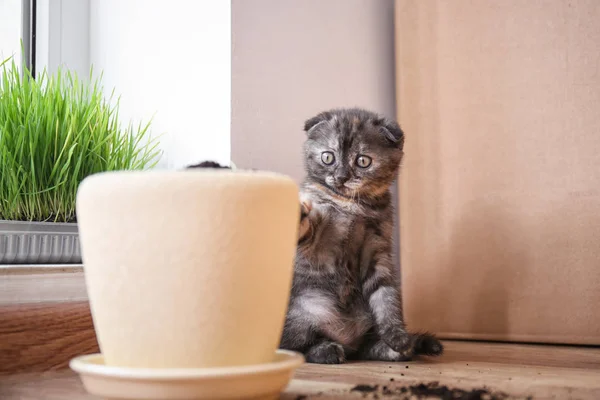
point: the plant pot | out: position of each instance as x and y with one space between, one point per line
188 269
39 243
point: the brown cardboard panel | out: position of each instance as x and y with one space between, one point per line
500 190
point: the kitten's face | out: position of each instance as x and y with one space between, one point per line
354 152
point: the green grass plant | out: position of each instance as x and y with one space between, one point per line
54 131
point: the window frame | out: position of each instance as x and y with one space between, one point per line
28 33
62 32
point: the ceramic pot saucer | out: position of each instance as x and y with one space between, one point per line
263 381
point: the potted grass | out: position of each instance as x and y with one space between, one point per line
54 131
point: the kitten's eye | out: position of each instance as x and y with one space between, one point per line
363 161
327 157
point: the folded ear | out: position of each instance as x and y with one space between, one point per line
316 120
393 132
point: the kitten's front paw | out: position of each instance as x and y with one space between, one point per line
326 353
305 208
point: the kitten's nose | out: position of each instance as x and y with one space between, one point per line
340 180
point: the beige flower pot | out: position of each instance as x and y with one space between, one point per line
188 269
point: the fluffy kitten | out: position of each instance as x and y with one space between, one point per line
345 300
208 164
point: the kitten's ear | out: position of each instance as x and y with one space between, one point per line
314 121
393 132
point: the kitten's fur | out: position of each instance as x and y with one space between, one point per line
345 301
208 164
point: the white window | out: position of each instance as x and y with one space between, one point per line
14 26
169 61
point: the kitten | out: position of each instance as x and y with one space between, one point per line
345 301
207 164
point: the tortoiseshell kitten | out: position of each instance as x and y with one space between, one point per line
345 301
208 164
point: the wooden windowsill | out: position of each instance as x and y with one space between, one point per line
26 284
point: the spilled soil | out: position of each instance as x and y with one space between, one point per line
431 390
421 391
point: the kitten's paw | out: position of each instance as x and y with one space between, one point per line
326 353
303 229
305 208
427 344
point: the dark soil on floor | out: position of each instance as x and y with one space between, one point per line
431 390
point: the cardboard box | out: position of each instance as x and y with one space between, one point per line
500 190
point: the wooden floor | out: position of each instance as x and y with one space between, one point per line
506 371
